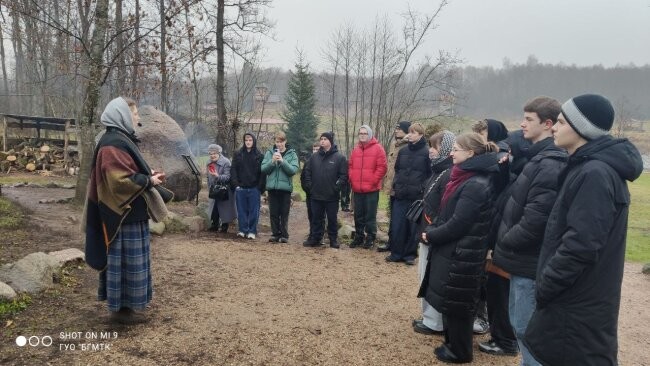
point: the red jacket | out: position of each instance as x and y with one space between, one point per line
367 167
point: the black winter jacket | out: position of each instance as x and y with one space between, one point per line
325 173
246 171
526 211
412 170
580 268
457 241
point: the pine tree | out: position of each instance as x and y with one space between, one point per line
300 109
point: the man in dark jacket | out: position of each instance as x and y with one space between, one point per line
246 179
303 184
524 217
580 266
324 174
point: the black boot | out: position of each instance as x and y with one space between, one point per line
369 243
334 243
357 242
224 228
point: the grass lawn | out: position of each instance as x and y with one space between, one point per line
638 233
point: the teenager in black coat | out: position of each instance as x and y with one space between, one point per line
580 267
458 243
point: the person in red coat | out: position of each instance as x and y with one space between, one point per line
366 169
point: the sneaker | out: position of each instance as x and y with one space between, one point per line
241 235
274 239
493 348
250 236
284 240
409 261
481 326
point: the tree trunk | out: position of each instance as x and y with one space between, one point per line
93 85
121 61
4 66
163 59
135 73
195 83
221 86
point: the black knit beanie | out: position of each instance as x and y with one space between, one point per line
590 115
404 126
328 135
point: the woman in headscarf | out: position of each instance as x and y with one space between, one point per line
117 213
221 212
440 145
457 241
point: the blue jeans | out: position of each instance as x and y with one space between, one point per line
248 209
521 306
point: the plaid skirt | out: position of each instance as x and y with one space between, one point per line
126 281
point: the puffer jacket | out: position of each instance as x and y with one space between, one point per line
279 175
367 167
526 211
580 268
457 241
412 170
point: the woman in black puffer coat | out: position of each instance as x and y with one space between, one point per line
458 245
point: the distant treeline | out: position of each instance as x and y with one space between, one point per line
501 93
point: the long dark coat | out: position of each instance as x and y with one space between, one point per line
580 268
457 241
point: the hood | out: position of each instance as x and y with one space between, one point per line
372 141
484 163
620 154
287 146
497 131
117 114
548 148
333 149
243 146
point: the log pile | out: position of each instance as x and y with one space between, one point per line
30 156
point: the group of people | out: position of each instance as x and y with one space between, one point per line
529 224
537 232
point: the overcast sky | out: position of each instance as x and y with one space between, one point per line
581 32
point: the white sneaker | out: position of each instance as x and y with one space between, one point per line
241 235
250 236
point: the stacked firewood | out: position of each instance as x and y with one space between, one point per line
30 156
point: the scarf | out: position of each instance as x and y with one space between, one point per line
458 177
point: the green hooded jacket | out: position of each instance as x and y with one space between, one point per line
278 176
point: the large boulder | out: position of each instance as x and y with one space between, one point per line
163 143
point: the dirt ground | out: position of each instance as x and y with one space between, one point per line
225 301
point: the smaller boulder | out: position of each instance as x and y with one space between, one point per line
194 224
156 228
6 292
646 268
69 255
31 274
296 197
346 231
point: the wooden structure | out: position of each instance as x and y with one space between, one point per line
67 125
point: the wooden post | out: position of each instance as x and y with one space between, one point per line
4 133
65 144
